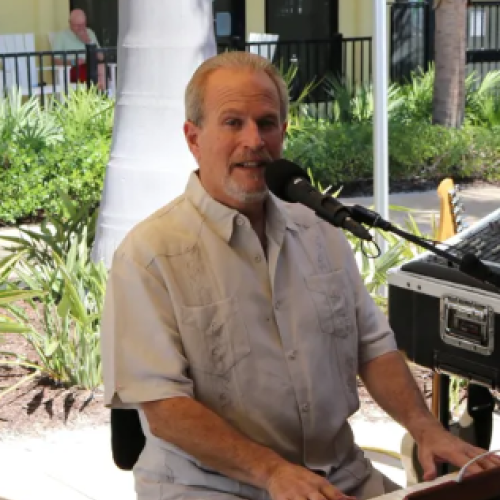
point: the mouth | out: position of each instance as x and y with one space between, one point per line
251 164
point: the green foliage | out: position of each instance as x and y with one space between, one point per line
10 295
64 146
57 261
343 152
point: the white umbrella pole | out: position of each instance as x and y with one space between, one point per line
380 125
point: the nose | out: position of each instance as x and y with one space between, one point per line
252 137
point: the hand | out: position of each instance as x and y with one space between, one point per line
291 482
84 36
438 445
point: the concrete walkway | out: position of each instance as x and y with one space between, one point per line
77 465
477 201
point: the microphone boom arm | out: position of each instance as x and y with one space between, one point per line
468 264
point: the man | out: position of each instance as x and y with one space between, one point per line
237 323
75 39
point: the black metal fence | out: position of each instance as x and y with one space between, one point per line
49 73
411 42
52 73
483 37
412 38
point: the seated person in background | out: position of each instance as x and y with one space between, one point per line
75 38
237 324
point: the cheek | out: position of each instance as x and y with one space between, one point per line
275 141
214 146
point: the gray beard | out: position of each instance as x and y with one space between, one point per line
235 192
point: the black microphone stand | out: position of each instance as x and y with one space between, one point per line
480 401
469 264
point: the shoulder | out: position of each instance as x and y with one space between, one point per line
91 34
172 230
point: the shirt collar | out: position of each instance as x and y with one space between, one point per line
222 218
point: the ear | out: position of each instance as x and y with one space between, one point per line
192 133
284 128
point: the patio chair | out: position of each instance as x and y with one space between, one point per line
262 46
22 71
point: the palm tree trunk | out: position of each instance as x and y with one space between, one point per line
450 54
160 44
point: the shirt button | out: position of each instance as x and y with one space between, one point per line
277 304
258 258
292 354
305 407
240 221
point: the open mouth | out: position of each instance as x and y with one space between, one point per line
251 164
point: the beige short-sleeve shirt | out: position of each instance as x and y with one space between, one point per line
271 343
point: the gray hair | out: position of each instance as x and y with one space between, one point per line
194 98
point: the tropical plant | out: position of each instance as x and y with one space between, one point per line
57 261
68 349
9 295
26 122
57 232
85 112
356 104
481 99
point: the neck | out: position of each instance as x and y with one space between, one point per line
256 214
257 217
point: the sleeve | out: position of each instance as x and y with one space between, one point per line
375 334
93 37
142 353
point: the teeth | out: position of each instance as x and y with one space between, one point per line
250 164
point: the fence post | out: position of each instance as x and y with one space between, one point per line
237 43
92 76
337 62
429 28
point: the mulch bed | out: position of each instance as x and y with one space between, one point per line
40 405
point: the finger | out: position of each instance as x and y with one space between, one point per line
317 495
331 493
428 465
487 462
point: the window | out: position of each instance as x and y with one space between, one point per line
302 19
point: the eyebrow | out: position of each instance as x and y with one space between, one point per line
236 112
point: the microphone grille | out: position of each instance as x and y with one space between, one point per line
279 173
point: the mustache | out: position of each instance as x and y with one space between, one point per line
264 158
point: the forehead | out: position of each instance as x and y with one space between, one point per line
240 88
78 19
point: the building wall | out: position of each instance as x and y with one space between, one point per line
34 16
256 16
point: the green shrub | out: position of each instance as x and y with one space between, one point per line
31 180
62 147
338 153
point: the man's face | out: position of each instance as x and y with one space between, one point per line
78 25
241 132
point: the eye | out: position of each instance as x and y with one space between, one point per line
267 123
233 122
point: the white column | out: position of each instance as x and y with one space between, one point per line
160 44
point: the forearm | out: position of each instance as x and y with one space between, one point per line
200 432
391 384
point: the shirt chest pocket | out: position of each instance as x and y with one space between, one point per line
331 295
214 336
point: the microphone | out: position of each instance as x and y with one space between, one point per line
289 182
